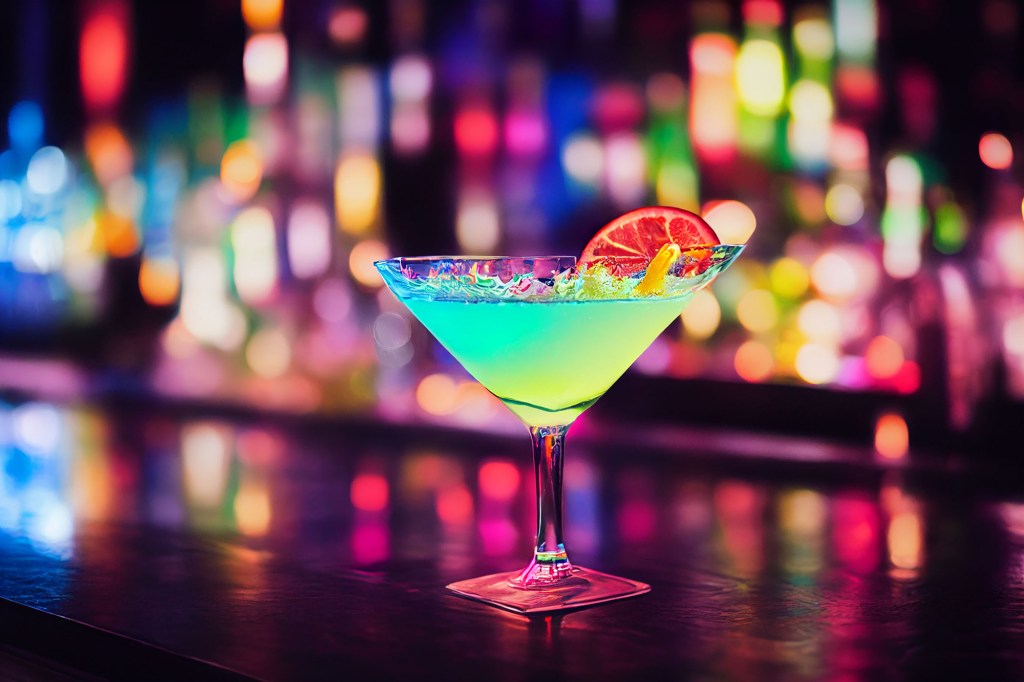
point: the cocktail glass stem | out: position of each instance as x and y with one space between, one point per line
550 562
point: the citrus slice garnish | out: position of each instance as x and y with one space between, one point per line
629 243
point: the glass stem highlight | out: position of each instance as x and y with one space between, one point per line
550 562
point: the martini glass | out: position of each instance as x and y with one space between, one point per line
547 342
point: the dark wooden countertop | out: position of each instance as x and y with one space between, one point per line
137 545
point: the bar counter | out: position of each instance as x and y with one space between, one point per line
143 543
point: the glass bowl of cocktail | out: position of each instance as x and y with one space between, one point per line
548 335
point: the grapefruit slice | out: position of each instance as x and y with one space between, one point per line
627 244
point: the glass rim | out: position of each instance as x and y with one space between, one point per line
469 259
480 259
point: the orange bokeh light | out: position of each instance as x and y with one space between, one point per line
883 357
892 438
241 170
262 15
753 361
159 281
120 236
108 152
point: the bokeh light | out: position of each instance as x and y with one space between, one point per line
789 278
265 67
477 223
583 159
757 310
360 262
159 280
268 353
309 239
702 315
995 151
820 321
892 438
103 54
883 357
369 492
733 221
753 361
241 170
254 240
761 77
813 38
817 363
357 187
844 204
436 394
47 171
499 480
262 15
834 276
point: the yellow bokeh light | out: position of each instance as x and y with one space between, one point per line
753 361
834 276
360 262
437 394
702 315
813 38
241 170
357 187
756 310
252 507
254 241
733 221
844 205
820 321
906 540
817 363
789 278
810 102
676 185
268 353
761 77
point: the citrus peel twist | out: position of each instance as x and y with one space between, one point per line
654 279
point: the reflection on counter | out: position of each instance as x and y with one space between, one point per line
266 488
811 574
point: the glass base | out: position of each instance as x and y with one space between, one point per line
584 588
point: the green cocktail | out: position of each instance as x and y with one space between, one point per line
546 361
548 341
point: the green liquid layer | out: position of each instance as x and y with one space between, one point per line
547 361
